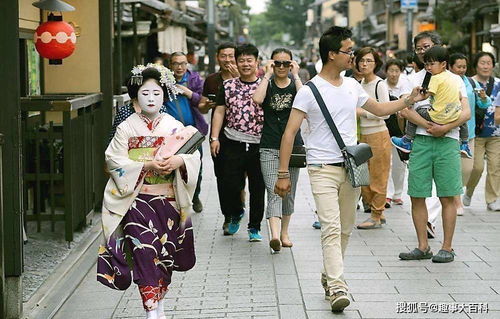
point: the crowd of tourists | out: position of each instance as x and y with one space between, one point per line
266 122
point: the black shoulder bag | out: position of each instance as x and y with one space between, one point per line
355 157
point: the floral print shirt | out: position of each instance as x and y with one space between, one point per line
242 113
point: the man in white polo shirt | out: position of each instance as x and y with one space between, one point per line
334 196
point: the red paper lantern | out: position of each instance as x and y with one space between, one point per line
55 40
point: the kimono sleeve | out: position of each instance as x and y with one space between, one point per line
125 173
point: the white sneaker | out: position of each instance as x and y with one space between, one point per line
495 206
460 211
466 200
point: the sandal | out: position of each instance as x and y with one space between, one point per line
287 244
416 254
370 223
275 244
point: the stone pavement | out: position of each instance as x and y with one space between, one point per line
237 279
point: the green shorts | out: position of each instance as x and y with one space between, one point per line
434 159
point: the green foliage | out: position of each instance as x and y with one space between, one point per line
281 17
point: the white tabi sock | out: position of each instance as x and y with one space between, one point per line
153 314
159 310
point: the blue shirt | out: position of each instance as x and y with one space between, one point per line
474 101
490 129
181 103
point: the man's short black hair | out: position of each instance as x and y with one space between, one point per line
247 49
435 38
480 55
331 40
456 56
436 54
396 62
226 45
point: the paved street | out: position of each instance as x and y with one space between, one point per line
237 279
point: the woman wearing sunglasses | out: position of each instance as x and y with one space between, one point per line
276 93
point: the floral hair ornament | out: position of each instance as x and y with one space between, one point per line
166 78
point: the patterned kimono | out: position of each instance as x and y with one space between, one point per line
145 215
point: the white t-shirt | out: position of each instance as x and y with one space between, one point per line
341 101
402 87
416 79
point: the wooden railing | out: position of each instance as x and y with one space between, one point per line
59 138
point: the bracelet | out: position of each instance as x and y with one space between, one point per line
264 77
283 175
297 79
213 139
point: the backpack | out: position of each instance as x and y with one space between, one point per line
479 112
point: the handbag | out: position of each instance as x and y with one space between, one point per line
298 157
184 141
355 157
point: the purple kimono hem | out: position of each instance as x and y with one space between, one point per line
159 241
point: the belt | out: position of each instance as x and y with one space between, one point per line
341 164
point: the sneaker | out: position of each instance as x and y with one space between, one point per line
402 143
466 200
339 301
495 206
234 225
254 235
398 202
444 256
388 202
465 150
197 205
316 225
460 211
416 254
431 231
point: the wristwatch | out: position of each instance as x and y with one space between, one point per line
212 139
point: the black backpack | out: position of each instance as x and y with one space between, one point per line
479 112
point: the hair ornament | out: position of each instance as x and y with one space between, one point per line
166 78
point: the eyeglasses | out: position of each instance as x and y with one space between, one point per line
422 49
285 64
176 64
351 53
366 61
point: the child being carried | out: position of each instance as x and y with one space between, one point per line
444 91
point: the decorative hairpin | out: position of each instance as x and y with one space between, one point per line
166 78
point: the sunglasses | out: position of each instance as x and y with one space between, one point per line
282 63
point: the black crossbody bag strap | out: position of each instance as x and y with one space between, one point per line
489 86
327 115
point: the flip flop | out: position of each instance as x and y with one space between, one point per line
371 224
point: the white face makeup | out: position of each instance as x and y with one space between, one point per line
150 98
